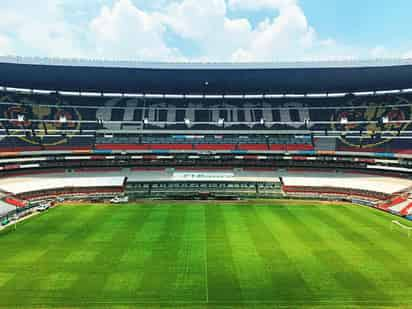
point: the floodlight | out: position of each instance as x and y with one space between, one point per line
62 119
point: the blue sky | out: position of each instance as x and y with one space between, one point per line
207 30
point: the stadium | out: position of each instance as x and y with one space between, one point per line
232 185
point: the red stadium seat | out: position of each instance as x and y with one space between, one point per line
405 211
15 202
171 146
20 149
393 202
299 147
122 147
262 147
215 147
277 147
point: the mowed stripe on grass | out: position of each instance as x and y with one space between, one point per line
200 254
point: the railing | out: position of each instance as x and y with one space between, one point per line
17 211
209 108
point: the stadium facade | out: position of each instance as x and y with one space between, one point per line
335 130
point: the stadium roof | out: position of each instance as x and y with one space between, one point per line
205 78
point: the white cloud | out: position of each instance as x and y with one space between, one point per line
260 4
123 31
382 52
287 36
5 46
378 52
195 19
407 55
39 26
206 24
169 30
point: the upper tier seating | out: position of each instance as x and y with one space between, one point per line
70 122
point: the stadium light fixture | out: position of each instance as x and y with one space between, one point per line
63 119
363 93
40 91
337 95
295 96
194 96
387 91
253 96
274 96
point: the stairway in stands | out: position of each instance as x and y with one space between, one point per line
400 205
394 201
407 210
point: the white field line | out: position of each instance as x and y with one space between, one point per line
402 225
205 253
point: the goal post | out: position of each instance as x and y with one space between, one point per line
396 225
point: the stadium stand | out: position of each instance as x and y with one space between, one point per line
395 202
5 208
333 139
173 181
399 208
52 122
406 210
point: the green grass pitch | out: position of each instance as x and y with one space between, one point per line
261 254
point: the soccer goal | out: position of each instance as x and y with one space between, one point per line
397 226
